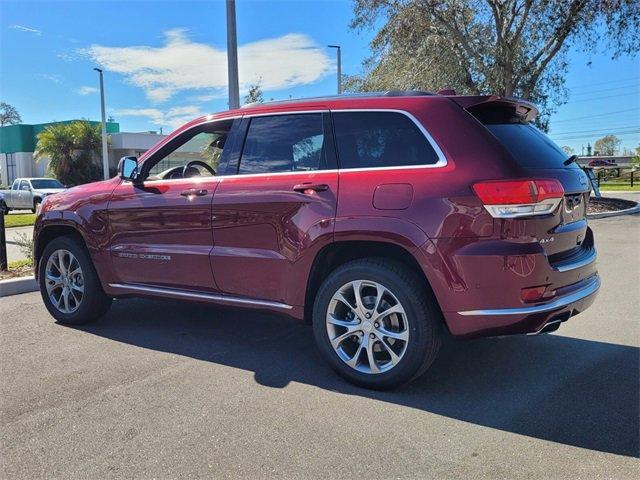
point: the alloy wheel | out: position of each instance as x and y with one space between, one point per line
64 281
367 326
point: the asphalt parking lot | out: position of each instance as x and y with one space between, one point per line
168 390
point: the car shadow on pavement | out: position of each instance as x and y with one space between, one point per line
566 390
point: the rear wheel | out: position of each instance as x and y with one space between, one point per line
376 323
36 205
69 284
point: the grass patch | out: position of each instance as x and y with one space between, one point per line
19 220
612 187
19 264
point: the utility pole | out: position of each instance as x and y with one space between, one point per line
339 62
232 56
3 244
105 150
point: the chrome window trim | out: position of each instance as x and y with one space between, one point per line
442 159
200 295
561 302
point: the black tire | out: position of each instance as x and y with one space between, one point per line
4 209
94 303
36 205
425 323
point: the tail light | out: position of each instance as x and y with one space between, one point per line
519 198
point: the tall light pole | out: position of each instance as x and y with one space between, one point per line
232 55
105 151
339 62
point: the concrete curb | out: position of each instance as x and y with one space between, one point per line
626 211
15 286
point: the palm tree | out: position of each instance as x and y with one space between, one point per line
72 149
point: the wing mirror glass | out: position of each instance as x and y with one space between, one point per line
128 168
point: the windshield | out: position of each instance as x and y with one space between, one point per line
529 146
46 183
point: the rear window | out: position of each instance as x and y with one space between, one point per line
380 139
529 146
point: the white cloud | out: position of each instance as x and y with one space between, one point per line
182 65
52 77
174 117
86 90
22 28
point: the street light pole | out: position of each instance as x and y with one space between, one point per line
105 151
339 62
232 56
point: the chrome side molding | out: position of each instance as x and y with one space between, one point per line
209 297
560 302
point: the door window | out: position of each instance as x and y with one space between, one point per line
283 143
24 185
199 150
380 139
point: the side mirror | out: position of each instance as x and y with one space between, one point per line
128 168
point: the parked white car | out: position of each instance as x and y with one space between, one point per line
28 193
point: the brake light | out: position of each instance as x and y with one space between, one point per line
519 198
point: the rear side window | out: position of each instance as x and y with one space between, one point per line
283 143
529 146
380 139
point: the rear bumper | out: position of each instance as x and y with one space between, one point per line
479 285
525 319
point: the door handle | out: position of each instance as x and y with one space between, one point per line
311 187
194 192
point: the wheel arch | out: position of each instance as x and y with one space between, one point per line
338 253
49 232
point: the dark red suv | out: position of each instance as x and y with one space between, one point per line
381 219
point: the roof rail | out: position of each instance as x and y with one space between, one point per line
389 93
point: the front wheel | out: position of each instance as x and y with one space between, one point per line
69 284
4 210
376 323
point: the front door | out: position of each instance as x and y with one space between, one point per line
24 195
161 225
276 209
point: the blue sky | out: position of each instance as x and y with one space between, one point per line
164 63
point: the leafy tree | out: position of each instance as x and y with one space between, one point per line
8 115
568 150
73 150
635 160
607 145
505 47
254 95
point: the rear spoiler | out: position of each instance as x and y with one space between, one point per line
481 104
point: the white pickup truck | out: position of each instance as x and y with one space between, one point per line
28 193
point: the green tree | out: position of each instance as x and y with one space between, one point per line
254 95
9 115
607 145
73 150
504 47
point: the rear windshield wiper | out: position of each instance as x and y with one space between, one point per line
571 159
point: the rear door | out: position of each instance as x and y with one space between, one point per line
276 208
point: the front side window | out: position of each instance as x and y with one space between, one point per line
283 143
193 154
24 185
380 139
